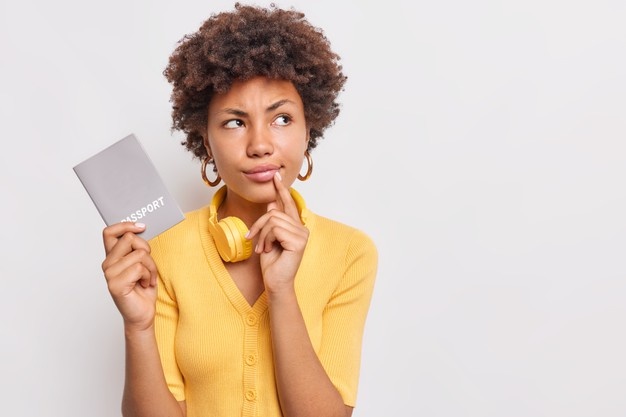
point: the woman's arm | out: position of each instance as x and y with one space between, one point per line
304 388
131 276
145 389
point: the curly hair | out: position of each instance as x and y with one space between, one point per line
248 42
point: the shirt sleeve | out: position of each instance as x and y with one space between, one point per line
344 317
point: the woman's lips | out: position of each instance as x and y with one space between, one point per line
262 173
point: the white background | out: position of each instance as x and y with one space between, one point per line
481 144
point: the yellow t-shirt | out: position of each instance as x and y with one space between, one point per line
216 348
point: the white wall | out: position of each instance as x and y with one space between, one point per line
482 145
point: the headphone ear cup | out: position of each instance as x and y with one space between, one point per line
230 239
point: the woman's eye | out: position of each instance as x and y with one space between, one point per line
282 120
233 124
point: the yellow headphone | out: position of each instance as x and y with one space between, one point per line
229 234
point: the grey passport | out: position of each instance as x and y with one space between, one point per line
124 185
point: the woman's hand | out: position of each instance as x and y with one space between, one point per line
281 240
131 274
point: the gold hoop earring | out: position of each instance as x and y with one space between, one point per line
309 170
213 183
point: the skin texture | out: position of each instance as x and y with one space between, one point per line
245 43
254 130
257 134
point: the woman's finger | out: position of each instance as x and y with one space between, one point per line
125 281
284 199
278 227
138 256
124 245
111 234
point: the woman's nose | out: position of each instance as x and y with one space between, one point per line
260 142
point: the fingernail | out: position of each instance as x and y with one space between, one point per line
247 235
278 176
140 225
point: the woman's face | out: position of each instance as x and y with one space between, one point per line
254 130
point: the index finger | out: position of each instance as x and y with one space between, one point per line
111 234
284 198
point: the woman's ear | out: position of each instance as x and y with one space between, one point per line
205 141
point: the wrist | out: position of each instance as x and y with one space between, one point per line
133 331
281 293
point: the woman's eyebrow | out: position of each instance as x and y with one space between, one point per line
240 113
278 104
234 112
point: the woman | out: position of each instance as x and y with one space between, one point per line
253 305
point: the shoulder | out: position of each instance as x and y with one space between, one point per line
338 236
345 256
180 236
